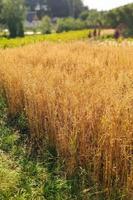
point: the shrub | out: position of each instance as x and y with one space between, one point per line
46 25
68 24
84 15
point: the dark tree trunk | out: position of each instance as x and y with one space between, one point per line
20 30
12 30
16 29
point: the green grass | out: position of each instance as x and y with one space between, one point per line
23 177
55 37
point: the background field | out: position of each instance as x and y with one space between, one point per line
106 36
66 36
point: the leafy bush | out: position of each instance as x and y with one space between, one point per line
83 15
46 25
70 23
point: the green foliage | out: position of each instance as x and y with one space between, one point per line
56 188
2 106
111 19
65 8
94 18
12 14
23 178
68 24
19 121
122 15
83 15
55 37
22 123
46 25
56 8
9 176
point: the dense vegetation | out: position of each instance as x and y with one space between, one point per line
12 15
66 36
57 8
22 177
122 15
73 100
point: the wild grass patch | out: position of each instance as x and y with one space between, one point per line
77 98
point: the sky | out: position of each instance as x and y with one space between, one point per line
106 4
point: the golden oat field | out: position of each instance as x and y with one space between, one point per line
78 99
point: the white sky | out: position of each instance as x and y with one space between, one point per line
106 4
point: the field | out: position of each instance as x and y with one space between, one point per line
106 35
55 37
76 100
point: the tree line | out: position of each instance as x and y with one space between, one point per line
122 15
57 8
70 14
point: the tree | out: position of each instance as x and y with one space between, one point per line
122 15
70 23
78 7
1 7
65 8
84 15
12 14
94 19
58 8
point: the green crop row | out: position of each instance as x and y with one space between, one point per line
66 36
